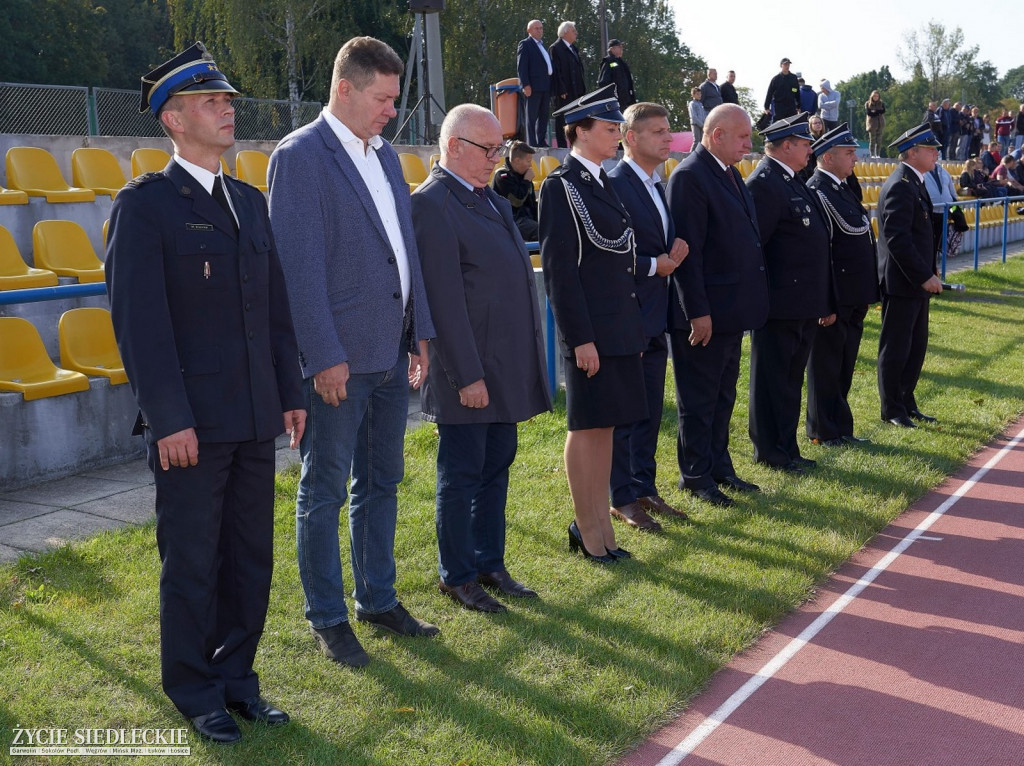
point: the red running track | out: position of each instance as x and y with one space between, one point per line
912 654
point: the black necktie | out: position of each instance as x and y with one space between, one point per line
222 199
735 185
481 193
604 179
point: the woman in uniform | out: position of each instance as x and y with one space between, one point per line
587 254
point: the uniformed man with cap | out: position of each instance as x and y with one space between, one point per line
795 237
907 271
834 350
615 71
201 317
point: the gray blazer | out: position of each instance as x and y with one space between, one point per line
483 298
341 272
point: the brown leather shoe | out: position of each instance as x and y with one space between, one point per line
503 581
634 515
471 596
655 504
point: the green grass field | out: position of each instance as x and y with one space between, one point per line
578 676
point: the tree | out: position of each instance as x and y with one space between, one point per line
1012 84
943 56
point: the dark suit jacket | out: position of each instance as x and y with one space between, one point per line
906 252
590 287
729 95
710 95
854 265
531 67
652 292
616 70
724 275
795 237
567 77
201 317
483 300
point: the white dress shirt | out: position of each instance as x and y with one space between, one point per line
544 53
206 180
650 183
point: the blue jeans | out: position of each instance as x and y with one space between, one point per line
472 487
365 437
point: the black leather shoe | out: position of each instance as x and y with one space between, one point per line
792 467
902 421
736 483
714 495
839 441
805 462
503 581
855 440
576 544
918 415
258 709
620 553
398 620
471 596
217 726
340 644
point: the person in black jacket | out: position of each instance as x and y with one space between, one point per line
907 272
615 71
729 95
795 237
514 181
834 350
568 82
783 93
201 316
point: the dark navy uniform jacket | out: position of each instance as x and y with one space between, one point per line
795 237
201 317
854 267
906 252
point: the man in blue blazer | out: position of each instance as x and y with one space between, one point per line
646 138
341 214
720 290
534 66
201 317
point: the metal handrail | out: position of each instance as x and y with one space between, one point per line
977 204
59 292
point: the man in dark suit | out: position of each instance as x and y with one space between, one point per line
534 67
794 235
201 317
719 291
615 71
646 138
907 272
710 93
485 376
362 325
855 281
729 95
568 82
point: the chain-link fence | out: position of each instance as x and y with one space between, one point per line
79 111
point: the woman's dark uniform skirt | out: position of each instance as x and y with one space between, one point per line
613 397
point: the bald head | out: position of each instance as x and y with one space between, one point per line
727 133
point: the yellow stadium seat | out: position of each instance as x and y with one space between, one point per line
146 160
15 274
26 369
251 167
35 172
434 159
64 248
535 260
874 226
670 164
12 197
97 169
547 164
87 344
413 170
106 225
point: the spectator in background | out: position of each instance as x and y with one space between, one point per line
991 158
874 122
975 181
816 127
710 93
1004 126
534 67
783 93
1018 129
986 131
942 189
966 133
951 126
615 71
808 98
729 95
697 115
828 105
977 132
514 182
933 119
1005 176
568 82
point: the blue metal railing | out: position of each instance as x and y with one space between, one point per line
976 205
59 292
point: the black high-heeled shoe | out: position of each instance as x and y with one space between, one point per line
576 544
620 553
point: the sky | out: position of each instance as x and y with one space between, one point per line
834 40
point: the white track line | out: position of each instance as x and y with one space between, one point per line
741 695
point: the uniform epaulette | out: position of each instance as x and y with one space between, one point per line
557 172
145 178
765 171
244 183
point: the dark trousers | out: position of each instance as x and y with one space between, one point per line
706 394
633 448
537 118
902 345
830 374
215 534
778 358
472 487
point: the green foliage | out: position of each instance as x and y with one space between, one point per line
1013 84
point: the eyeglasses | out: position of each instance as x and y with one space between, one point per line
491 152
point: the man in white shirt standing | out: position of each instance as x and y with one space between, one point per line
533 64
343 223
